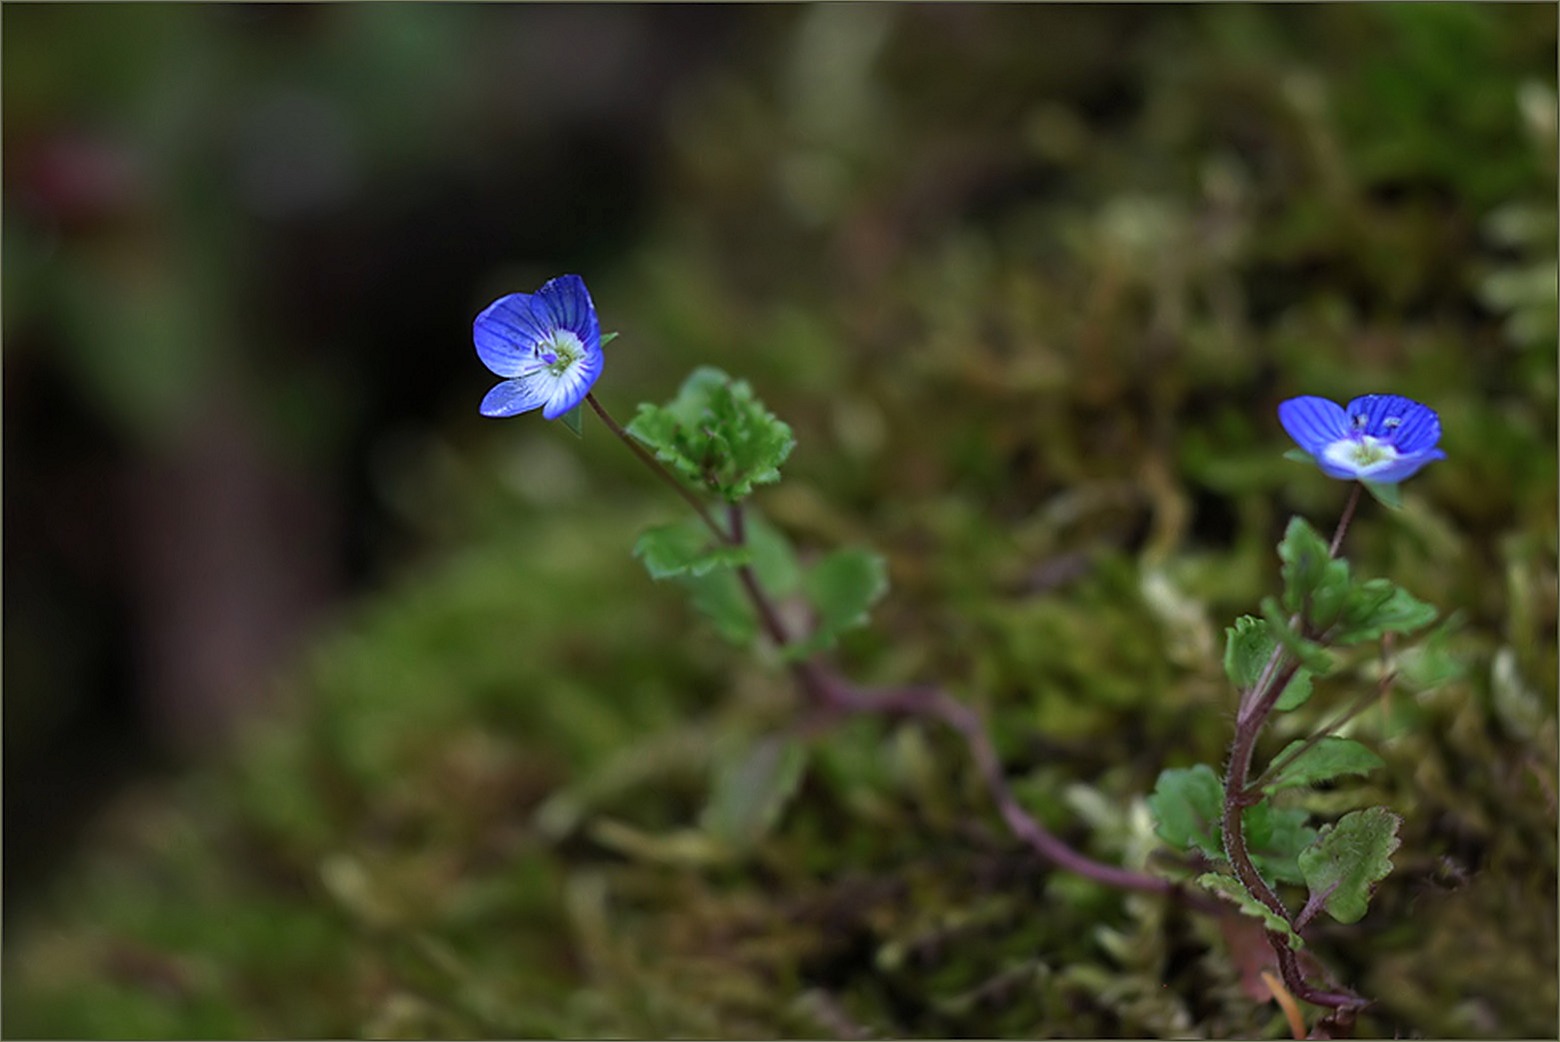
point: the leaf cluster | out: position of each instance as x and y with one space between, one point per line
716 434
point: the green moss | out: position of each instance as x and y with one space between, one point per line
1029 320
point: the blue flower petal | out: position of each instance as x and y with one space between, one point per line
1420 430
506 332
571 389
1417 428
1403 468
566 304
513 397
1314 423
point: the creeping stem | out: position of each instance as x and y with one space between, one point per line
832 694
1256 706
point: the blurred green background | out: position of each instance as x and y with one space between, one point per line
332 709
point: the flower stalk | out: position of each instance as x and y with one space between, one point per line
1256 707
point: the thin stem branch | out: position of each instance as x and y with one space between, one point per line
1343 522
1255 707
660 471
1353 709
832 694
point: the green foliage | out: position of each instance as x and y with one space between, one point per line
842 588
1275 836
718 593
686 548
1229 888
1349 858
1313 657
1248 647
716 434
1188 804
1331 757
1188 807
574 422
1389 496
1376 607
1319 588
1296 693
1315 583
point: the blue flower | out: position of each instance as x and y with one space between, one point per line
1379 438
547 343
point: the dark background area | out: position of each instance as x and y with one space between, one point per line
239 242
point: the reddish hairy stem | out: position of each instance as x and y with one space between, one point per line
1255 708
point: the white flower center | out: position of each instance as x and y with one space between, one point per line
1361 453
560 351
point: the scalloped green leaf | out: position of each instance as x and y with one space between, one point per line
1348 859
1230 890
1247 646
1331 757
842 589
686 548
716 434
1188 803
1379 606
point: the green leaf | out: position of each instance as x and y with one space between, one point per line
686 548
1247 647
573 422
1296 693
1312 655
842 588
1390 496
1315 583
1332 757
1275 836
719 595
716 434
1348 859
1230 889
774 560
1305 560
1188 803
750 787
1380 606
607 338
1299 456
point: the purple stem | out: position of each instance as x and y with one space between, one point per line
1256 706
832 694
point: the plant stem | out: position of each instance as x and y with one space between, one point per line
1343 522
1255 708
833 694
660 471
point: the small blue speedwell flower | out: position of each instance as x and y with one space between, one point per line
1379 438
547 343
